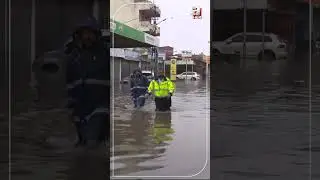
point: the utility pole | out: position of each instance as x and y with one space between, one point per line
154 51
263 31
244 49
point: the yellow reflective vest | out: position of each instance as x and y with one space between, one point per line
161 89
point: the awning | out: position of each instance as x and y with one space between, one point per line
128 37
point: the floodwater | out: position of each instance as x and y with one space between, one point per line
146 143
149 143
260 129
260 121
42 148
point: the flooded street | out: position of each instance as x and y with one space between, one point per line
146 143
260 121
149 143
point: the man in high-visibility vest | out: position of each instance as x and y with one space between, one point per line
162 88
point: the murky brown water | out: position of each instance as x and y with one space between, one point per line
149 143
259 130
260 122
146 143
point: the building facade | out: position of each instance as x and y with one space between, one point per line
133 29
38 27
167 50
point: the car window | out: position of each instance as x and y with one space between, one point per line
183 73
254 38
147 74
258 38
190 73
267 39
238 38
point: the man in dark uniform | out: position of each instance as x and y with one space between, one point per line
139 85
88 81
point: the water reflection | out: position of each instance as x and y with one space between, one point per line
87 166
162 130
260 129
139 139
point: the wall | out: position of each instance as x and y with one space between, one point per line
167 50
3 61
128 14
237 4
127 67
55 21
20 44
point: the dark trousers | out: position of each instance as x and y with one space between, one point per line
162 104
139 101
95 130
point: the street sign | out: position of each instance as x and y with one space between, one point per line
185 54
173 69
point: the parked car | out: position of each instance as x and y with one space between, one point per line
274 46
148 74
189 75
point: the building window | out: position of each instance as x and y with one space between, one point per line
143 17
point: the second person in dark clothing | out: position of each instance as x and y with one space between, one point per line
139 85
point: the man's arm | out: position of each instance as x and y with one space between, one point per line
171 87
151 86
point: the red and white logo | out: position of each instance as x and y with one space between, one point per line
197 12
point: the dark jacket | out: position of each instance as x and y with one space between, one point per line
88 76
139 84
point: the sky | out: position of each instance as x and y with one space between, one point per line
180 30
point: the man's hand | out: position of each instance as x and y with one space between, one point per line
170 94
148 94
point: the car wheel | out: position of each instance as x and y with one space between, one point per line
267 55
193 79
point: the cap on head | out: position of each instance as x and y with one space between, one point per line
137 71
89 24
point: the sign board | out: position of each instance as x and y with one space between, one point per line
162 56
182 62
173 69
116 52
186 53
131 55
151 39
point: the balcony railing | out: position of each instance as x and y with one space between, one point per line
149 28
150 10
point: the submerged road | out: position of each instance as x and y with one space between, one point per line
260 121
149 143
146 143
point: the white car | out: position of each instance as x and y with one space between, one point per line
189 75
273 47
148 74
